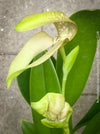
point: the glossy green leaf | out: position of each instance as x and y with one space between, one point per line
43 79
88 22
93 126
27 127
90 114
23 81
69 60
35 45
53 60
98 132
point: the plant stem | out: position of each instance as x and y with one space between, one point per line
63 54
66 130
64 83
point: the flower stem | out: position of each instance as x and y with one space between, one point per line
66 129
64 84
63 54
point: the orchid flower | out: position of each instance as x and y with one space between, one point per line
41 41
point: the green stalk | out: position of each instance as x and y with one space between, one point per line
63 54
64 83
66 131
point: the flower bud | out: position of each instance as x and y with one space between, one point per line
54 108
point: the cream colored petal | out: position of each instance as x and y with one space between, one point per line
46 55
35 45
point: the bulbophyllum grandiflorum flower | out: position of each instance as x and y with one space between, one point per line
41 41
56 111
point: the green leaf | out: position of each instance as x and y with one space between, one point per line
88 23
69 60
23 81
27 127
43 79
98 132
53 60
93 126
90 114
35 45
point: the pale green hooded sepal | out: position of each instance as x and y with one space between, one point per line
55 110
66 28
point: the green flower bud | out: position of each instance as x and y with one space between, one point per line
55 110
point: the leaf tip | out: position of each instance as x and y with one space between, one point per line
77 48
